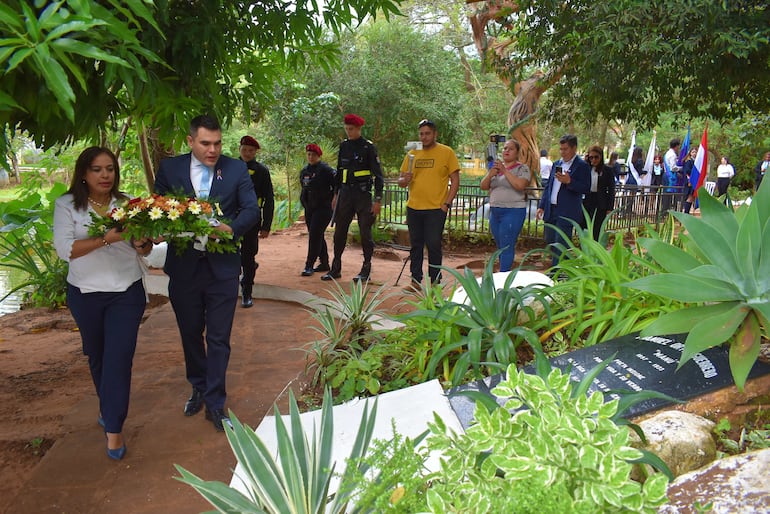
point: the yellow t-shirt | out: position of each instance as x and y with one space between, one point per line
430 176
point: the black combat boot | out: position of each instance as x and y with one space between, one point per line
335 272
363 275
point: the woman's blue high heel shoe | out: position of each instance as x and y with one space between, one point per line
117 454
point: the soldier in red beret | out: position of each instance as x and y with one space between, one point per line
263 187
317 179
358 169
354 119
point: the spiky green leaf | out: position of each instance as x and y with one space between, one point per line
713 331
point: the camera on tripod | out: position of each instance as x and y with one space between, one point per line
493 148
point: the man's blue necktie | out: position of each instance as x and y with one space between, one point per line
203 190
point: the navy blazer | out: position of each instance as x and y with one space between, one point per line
569 202
232 189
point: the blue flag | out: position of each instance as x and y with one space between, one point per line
684 149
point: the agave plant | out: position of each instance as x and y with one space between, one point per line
492 322
297 480
724 270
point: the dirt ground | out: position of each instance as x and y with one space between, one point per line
52 456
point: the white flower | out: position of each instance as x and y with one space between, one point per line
173 214
194 207
118 214
156 213
134 211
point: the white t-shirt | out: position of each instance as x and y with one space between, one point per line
545 168
725 171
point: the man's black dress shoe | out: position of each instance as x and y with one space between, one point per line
218 419
308 271
331 275
194 404
247 301
322 267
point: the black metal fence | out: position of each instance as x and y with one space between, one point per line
634 207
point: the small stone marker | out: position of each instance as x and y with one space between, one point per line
647 363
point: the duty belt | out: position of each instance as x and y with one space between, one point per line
358 173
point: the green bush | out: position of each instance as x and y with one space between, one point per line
26 244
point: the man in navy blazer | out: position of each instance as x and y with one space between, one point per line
562 199
203 287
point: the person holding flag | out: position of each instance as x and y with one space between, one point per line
700 166
687 166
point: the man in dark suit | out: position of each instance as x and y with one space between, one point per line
562 199
203 286
760 169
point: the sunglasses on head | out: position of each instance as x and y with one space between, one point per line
426 123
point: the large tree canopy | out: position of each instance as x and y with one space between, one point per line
632 59
73 67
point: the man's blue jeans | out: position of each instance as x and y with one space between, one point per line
426 228
506 224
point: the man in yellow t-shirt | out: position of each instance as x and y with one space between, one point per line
433 180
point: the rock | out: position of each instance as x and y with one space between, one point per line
731 403
733 484
684 441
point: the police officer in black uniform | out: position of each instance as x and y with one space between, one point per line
263 186
358 169
317 179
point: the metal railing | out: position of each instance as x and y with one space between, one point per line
635 206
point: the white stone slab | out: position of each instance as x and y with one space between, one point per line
523 278
410 408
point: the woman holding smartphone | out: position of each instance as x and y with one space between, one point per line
506 181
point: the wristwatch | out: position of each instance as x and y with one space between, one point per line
448 205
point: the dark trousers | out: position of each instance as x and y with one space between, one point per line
426 228
353 201
557 242
722 183
591 205
249 250
108 324
200 302
317 219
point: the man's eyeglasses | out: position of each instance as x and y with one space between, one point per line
426 123
594 157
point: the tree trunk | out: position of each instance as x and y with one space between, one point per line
152 152
522 122
522 114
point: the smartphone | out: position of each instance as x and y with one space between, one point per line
558 170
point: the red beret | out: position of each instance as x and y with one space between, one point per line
353 119
314 148
249 141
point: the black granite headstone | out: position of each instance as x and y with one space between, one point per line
640 363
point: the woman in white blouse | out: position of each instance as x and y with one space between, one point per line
104 285
725 173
